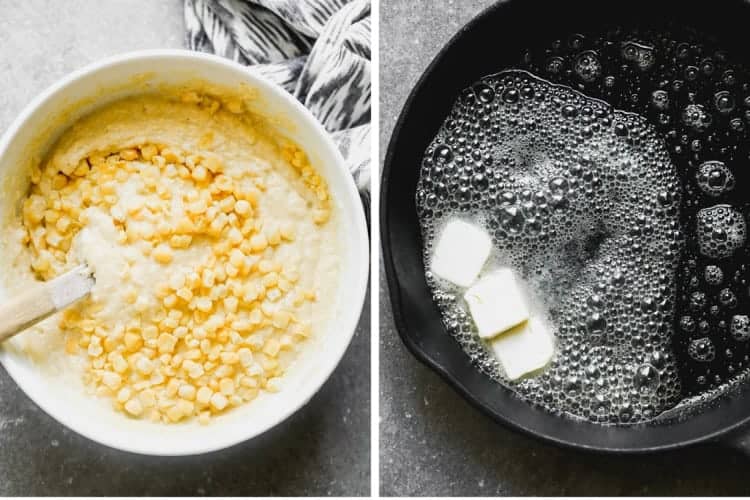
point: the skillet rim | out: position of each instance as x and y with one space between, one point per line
395 289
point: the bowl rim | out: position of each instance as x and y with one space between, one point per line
347 322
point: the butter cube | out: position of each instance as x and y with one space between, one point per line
460 253
524 349
496 303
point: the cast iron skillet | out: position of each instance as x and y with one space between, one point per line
488 44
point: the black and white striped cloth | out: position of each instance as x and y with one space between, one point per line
318 50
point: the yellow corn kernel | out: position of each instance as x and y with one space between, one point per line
132 341
204 304
148 398
271 347
129 154
149 151
270 280
230 270
218 401
195 370
242 207
134 407
172 387
287 231
229 358
187 391
170 300
186 407
166 343
203 395
199 173
217 225
63 224
236 258
176 281
213 164
185 294
207 278
265 266
111 380
170 156
255 317
258 242
119 364
130 295
163 254
321 216
281 319
231 304
180 241
174 413
71 345
234 106
204 418
123 395
226 386
286 342
192 280
144 365
273 384
249 382
302 330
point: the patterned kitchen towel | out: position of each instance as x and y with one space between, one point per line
318 50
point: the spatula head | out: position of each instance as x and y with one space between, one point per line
72 286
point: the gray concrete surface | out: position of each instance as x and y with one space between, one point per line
322 450
432 441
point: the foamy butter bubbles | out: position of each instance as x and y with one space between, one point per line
582 202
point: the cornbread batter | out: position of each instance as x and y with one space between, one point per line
214 246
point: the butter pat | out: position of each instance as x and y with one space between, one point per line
496 303
460 253
524 349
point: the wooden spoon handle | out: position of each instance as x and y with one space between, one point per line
35 304
25 309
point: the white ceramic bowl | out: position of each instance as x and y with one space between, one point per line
131 73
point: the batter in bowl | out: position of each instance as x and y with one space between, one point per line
214 245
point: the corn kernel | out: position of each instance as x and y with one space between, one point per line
180 241
134 407
111 380
144 365
175 414
187 391
129 154
218 401
204 304
148 398
199 173
185 294
163 254
242 207
166 343
123 395
271 347
203 395
287 231
226 386
258 242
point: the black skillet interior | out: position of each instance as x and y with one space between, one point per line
492 42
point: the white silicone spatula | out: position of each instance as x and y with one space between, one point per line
35 304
